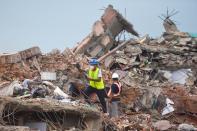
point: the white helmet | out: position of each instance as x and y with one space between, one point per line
115 75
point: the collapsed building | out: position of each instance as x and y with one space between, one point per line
151 70
48 115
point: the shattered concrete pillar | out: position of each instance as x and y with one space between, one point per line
104 32
110 20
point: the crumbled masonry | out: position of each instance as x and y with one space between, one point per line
150 69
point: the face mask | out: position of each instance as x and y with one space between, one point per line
91 67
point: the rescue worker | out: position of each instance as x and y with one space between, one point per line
114 96
96 84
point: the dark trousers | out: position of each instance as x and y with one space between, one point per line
73 91
100 93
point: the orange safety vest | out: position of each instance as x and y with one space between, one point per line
119 87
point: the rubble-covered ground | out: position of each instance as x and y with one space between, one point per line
158 77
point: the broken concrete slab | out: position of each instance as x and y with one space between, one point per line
31 52
14 128
22 55
10 58
44 108
122 61
162 125
186 127
134 50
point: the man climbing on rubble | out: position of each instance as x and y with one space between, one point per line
114 96
96 84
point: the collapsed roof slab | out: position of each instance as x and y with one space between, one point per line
46 109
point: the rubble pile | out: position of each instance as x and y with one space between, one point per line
130 122
158 76
152 70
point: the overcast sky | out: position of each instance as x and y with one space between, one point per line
58 24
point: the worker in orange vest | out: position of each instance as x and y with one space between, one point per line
114 96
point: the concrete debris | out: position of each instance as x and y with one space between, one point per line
162 125
130 122
186 127
170 26
183 101
158 78
14 128
28 53
22 55
104 32
178 76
